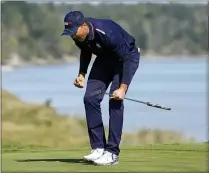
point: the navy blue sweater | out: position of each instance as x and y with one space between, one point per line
107 38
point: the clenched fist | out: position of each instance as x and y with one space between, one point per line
118 94
79 81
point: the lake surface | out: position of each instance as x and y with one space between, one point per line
175 83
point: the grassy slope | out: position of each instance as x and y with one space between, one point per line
179 158
39 124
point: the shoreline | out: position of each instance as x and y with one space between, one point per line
11 67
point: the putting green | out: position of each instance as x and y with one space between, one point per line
178 158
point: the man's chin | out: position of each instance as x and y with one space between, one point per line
81 39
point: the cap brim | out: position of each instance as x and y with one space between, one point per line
69 32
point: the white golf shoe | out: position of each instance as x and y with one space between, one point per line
95 154
107 159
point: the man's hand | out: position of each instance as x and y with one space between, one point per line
120 93
79 81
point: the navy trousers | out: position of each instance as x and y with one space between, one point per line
103 72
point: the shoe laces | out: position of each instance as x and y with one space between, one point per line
97 149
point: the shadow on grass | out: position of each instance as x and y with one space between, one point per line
56 160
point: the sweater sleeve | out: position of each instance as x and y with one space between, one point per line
125 52
85 59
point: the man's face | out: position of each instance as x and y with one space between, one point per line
81 33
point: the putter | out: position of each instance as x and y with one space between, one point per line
134 100
147 103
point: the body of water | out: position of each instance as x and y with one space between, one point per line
179 84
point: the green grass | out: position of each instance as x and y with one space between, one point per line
178 158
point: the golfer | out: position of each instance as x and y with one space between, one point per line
117 59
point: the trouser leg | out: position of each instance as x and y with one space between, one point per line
98 81
116 108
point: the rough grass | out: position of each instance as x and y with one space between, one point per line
34 124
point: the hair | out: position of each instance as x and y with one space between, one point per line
85 23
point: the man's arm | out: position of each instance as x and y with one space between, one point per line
130 63
85 59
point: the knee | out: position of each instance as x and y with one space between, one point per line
91 100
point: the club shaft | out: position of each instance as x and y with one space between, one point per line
147 103
136 100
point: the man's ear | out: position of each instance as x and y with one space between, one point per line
85 24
